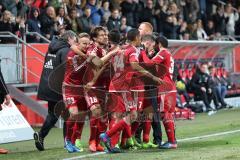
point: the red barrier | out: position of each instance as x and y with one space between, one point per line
35 62
236 59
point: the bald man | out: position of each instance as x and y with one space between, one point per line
145 28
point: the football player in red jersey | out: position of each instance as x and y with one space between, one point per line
73 94
145 107
167 100
123 100
146 30
96 81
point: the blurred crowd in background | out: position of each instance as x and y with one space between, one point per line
175 19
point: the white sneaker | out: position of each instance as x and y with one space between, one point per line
212 112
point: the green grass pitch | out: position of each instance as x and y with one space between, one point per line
225 147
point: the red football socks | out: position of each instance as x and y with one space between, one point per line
69 129
93 128
146 130
77 131
169 128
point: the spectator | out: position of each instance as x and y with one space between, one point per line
138 10
161 15
7 24
14 6
85 21
200 84
54 3
186 36
237 28
2 9
217 87
36 4
232 17
34 25
73 5
182 29
124 28
172 9
63 19
96 11
49 23
190 11
147 14
74 21
114 21
220 21
128 8
106 12
201 34
170 27
210 30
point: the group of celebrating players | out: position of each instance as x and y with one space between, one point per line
121 86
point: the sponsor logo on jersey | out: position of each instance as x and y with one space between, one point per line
49 64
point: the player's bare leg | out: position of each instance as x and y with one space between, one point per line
74 117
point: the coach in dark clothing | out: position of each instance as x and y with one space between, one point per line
50 87
202 87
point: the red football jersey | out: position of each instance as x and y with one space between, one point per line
121 80
103 80
75 69
165 58
94 50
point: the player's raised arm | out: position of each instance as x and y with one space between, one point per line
134 39
109 55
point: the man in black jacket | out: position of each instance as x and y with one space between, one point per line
4 98
114 21
85 21
202 87
48 23
50 87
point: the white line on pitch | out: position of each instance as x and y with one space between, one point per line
180 140
210 135
85 156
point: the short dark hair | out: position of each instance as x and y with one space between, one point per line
94 32
73 9
163 41
148 37
114 36
204 63
210 67
132 34
114 9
